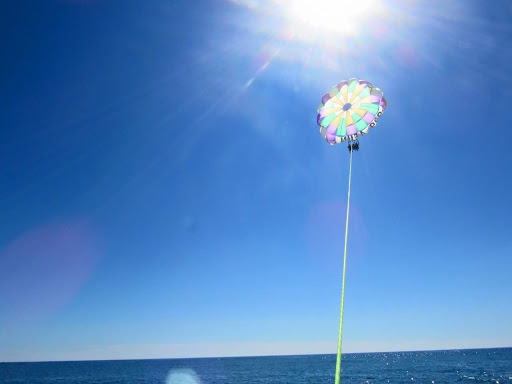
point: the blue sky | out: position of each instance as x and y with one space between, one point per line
164 190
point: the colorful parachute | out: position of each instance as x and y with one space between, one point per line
349 109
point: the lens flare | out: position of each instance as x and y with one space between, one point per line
45 267
183 376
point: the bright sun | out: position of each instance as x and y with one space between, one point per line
321 17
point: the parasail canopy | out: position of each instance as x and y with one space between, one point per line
349 109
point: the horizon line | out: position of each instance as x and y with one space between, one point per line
251 356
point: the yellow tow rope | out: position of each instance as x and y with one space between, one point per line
340 331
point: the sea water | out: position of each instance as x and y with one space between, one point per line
453 366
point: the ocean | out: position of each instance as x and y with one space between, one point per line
451 366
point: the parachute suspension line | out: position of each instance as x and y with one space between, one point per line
340 331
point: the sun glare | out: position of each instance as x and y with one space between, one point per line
313 18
